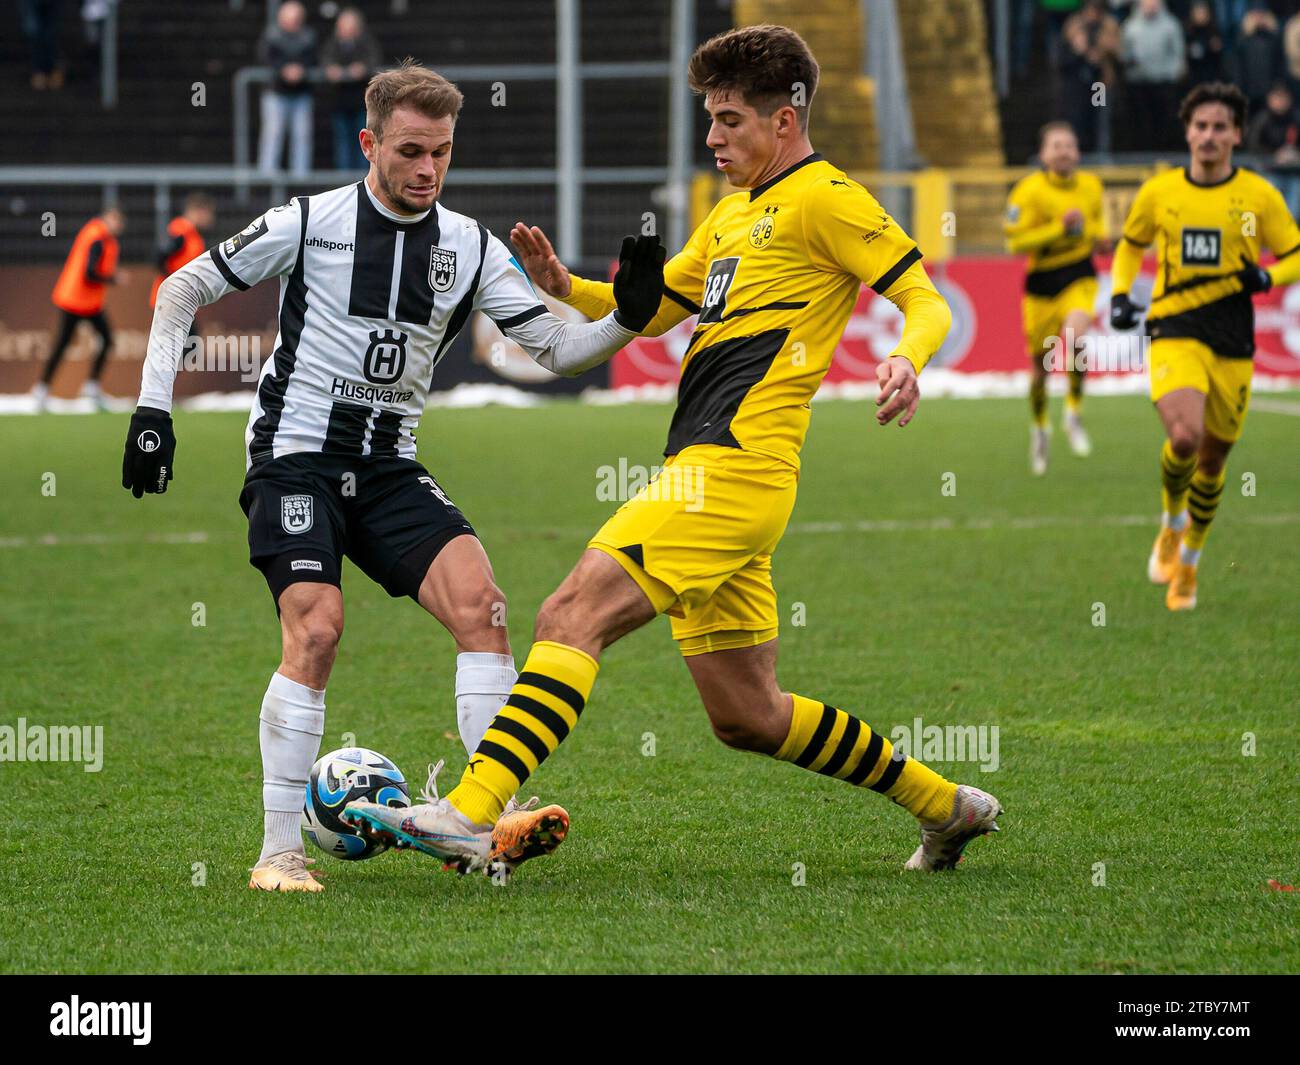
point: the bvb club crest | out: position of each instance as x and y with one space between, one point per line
295 513
760 234
442 269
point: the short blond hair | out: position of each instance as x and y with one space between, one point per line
410 85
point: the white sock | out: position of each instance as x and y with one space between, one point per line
292 723
1188 557
483 683
1177 522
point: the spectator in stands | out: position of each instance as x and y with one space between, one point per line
1291 53
1257 58
79 292
1088 59
1155 59
1274 134
1204 45
350 56
1057 12
1228 14
289 49
40 20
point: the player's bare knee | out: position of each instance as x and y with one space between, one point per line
1185 440
313 635
555 619
478 617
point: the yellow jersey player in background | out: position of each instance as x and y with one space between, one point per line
1209 221
773 272
1055 217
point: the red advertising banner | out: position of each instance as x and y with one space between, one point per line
986 334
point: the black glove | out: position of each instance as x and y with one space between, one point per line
1123 312
639 283
150 451
1254 279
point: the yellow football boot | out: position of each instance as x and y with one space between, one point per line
1181 594
1164 555
286 871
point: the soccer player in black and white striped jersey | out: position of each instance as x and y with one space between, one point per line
376 279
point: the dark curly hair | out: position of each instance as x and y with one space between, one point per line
1214 92
766 65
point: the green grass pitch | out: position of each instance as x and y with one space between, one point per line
1120 745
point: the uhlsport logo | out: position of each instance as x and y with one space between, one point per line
79 1018
385 360
295 513
148 441
442 269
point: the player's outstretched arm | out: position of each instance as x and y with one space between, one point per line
571 348
595 299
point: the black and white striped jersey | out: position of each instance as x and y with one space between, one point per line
369 303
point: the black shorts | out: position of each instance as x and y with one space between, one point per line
306 511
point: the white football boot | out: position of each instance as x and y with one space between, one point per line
1037 450
1080 444
433 826
973 815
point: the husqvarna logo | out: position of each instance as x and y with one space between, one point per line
385 359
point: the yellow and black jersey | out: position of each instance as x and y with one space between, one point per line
1204 235
773 273
1034 226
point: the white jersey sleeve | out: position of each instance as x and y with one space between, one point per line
507 297
267 247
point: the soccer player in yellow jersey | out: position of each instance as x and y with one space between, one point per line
773 273
1055 217
1209 221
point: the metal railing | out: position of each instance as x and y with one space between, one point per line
570 176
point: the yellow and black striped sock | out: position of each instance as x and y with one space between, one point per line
1175 476
1074 397
1038 399
543 707
826 740
1202 503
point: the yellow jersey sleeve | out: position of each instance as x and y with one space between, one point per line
1140 226
847 231
683 282
1139 232
1022 228
1281 236
1095 227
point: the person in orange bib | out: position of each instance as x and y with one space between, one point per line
90 268
184 241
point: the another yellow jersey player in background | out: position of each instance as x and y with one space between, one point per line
1055 217
1209 220
773 272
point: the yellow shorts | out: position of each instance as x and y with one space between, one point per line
1044 316
699 538
1180 362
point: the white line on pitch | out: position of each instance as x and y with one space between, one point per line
99 539
1275 406
1043 522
